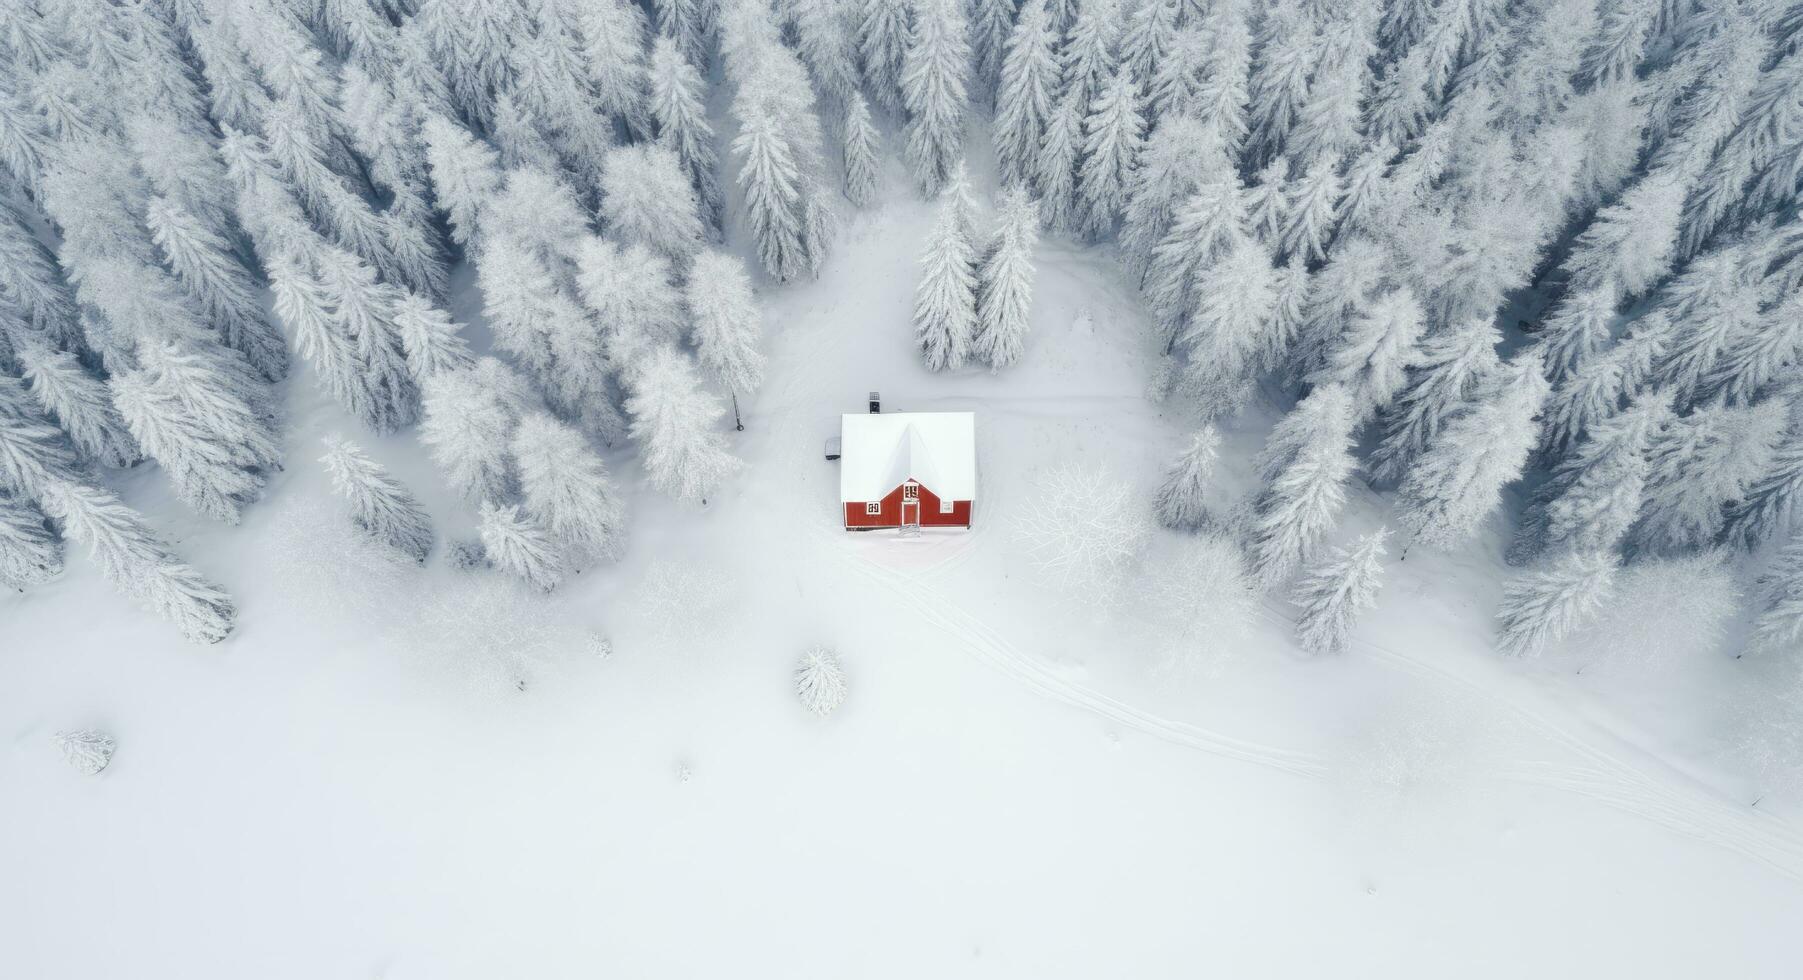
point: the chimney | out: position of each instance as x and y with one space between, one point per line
876 403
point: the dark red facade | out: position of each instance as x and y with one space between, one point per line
890 510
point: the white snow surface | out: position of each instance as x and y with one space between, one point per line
423 774
881 452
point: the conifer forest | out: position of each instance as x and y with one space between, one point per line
418 558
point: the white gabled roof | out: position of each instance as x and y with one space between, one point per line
878 453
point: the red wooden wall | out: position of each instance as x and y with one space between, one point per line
891 515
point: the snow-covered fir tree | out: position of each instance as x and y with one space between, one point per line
433 342
469 421
1542 606
1458 479
1181 500
1005 281
380 506
646 198
727 325
945 301
934 83
1449 368
1372 357
1304 468
566 489
883 39
520 546
1113 133
1229 329
1779 626
29 554
78 401
861 142
1331 596
1024 93
677 100
675 424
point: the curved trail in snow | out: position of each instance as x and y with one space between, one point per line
1689 810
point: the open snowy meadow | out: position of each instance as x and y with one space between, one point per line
432 434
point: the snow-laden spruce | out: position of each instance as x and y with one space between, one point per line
1545 604
566 489
469 418
1005 281
1181 500
861 144
678 105
934 83
1779 627
520 546
432 341
1113 134
79 402
1023 102
1303 470
1449 369
1459 478
380 506
820 680
646 198
726 325
29 554
945 301
1333 594
675 422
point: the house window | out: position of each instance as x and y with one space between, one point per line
945 505
911 491
874 507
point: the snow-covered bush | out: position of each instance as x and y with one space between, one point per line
1664 614
1083 529
820 680
681 601
87 750
487 630
380 506
1200 604
328 566
1332 595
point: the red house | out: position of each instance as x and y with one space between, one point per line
907 470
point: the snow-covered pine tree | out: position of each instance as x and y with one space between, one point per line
1059 150
1209 224
1228 330
32 283
1113 134
1181 500
433 342
1630 244
614 34
826 43
634 302
1023 103
689 24
883 40
1268 203
1600 386
1313 213
1771 502
215 280
991 23
137 562
1005 281
1451 366
1780 623
519 546
362 310
1304 468
1333 594
380 506
726 325
468 424
1713 302
1371 358
861 141
768 180
79 402
678 105
646 198
945 301
207 433
1601 484
1179 155
466 174
1701 464
1458 480
1545 604
934 83
1576 329
29 554
1288 51
33 452
673 422
566 490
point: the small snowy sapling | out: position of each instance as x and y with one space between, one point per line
820 680
1334 594
380 506
89 751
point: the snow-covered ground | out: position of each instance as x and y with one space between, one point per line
403 773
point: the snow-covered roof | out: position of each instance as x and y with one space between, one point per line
878 453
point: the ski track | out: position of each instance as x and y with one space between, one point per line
1691 811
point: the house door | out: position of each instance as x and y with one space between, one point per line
910 505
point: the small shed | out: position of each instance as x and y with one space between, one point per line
907 470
